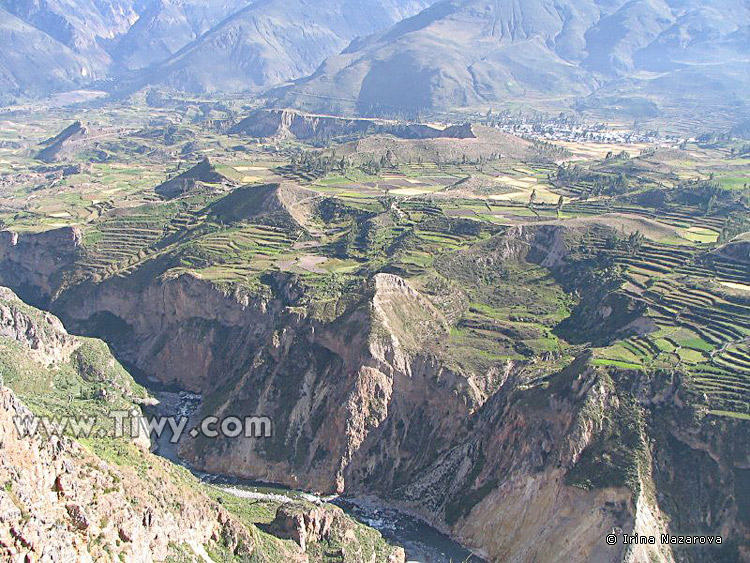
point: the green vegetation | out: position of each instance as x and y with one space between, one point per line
634 264
441 223
612 459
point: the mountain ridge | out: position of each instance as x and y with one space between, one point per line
183 44
468 53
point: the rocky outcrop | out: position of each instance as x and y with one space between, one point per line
59 146
737 249
177 331
303 524
266 124
34 265
327 385
287 123
57 497
42 333
307 524
201 177
701 471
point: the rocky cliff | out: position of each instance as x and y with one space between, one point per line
34 266
287 123
61 503
366 397
109 498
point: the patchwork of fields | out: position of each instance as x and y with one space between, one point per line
332 222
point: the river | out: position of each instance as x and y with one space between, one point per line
422 542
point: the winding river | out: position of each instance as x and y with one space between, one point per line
422 543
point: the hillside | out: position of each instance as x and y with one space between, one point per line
35 63
60 490
55 45
272 42
202 176
495 337
60 146
223 46
164 27
573 334
538 50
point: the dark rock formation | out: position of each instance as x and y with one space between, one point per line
59 146
200 177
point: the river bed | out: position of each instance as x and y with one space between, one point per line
422 542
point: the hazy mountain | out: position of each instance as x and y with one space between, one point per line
205 45
54 45
448 54
469 52
31 61
166 26
86 27
274 41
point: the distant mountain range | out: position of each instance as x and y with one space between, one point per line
376 57
193 45
476 52
273 41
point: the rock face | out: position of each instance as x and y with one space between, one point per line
60 502
46 336
57 496
327 385
306 525
303 525
364 399
272 123
177 343
264 123
201 177
34 265
57 147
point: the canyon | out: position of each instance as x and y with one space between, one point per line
366 399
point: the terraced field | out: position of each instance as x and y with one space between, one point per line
692 295
411 217
121 242
236 249
701 329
